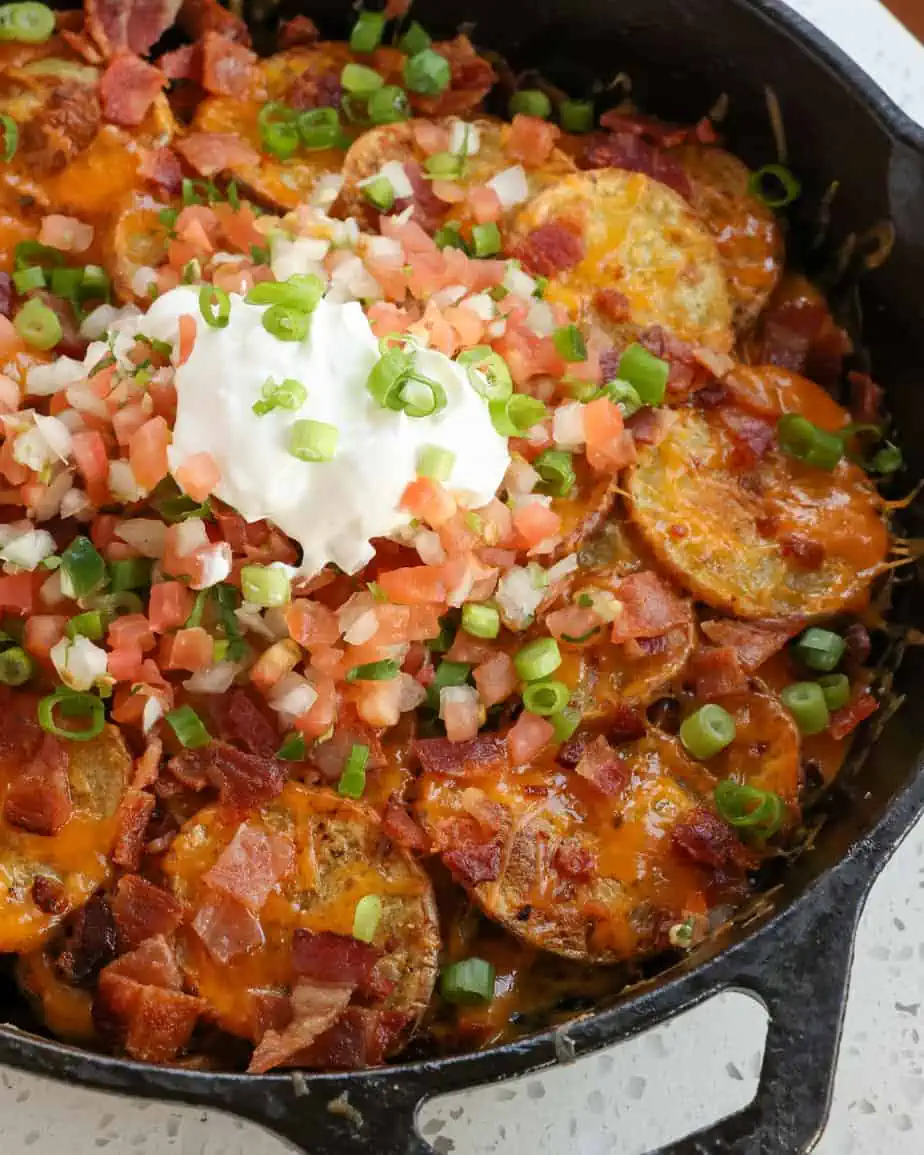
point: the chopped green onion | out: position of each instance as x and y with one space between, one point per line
215 306
468 982
188 727
220 650
836 689
359 80
163 348
565 723
747 807
64 282
449 236
130 574
389 105
293 748
15 667
286 394
889 459
94 282
28 23
556 468
10 136
806 702
279 133
488 372
415 40
775 185
82 568
444 639
38 325
383 671
486 239
196 613
422 397
707 732
546 698
537 659
380 193
820 649
302 292
286 324
191 273
366 917
353 778
31 278
28 253
798 437
444 165
73 705
579 390
481 621
530 102
266 585
319 129
569 343
313 440
517 415
646 373
576 115
624 395
427 72
112 605
447 674
434 462
387 377
367 32
88 625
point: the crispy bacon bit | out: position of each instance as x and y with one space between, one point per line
242 780
315 1008
859 645
147 767
161 166
717 672
212 152
151 1023
39 799
360 1038
865 399
754 643
298 32
630 151
197 17
808 554
227 928
603 768
639 648
129 25
67 123
846 720
132 819
244 721
473 863
325 957
550 249
751 436
574 860
649 426
711 396
251 865
401 828
705 838
650 607
128 88
687 372
626 724
471 81
183 63
49 895
312 91
142 911
153 963
228 69
482 755
612 304
90 943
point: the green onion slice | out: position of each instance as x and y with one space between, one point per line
293 748
775 186
10 136
517 415
415 39
73 704
366 917
798 437
265 585
427 72
383 671
367 32
537 659
646 373
130 574
530 102
16 667
836 689
313 440
707 732
188 727
481 621
624 395
215 306
286 324
286 394
569 343
82 568
278 129
820 649
488 372
352 782
38 325
389 105
576 115
380 193
556 468
359 80
748 808
468 982
302 292
546 698
565 723
27 23
806 702
436 463
319 129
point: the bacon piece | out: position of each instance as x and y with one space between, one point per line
612 304
298 32
472 863
38 799
151 1023
197 17
330 757
706 839
801 336
600 766
228 69
90 943
687 374
550 249
485 754
129 25
142 911
754 643
183 63
859 645
251 865
717 672
659 132
312 91
67 123
472 78
650 608
808 554
325 957
153 963
132 819
161 166
227 928
630 151
242 780
401 828
845 720
213 152
649 426
128 88
751 437
574 860
241 719
49 895
315 1008
360 1038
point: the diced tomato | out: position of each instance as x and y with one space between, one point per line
468 326
67 234
531 140
377 702
198 476
170 606
187 337
131 630
18 592
103 529
608 447
188 649
147 452
535 523
238 226
439 333
128 420
461 719
496 679
92 464
276 661
319 719
125 663
11 469
573 622
428 500
10 341
485 204
529 735
414 585
430 137
42 632
311 624
329 660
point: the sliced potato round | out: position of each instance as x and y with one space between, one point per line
75 860
783 539
340 857
746 231
643 241
631 885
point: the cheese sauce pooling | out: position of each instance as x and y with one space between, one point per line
333 508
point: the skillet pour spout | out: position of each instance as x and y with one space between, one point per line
794 952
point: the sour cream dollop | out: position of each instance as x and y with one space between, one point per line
333 508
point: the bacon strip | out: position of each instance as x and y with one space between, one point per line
754 643
251 865
650 608
325 957
128 88
602 768
227 928
401 828
717 672
360 1038
472 863
550 249
153 1024
242 780
213 152
39 799
316 1007
132 819
484 754
161 166
197 17
846 720
129 25
142 911
628 150
153 964
228 69
705 839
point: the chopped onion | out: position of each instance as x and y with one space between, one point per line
394 172
497 328
44 380
451 295
568 425
384 248
301 255
520 477
251 619
142 279
518 597
482 305
147 535
48 504
28 549
429 547
216 565
561 569
75 503
541 318
464 138
152 713
122 483
52 592
352 281
80 664
357 619
292 695
410 693
517 282
84 400
326 189
511 186
217 679
96 324
190 535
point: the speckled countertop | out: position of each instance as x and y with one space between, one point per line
637 1095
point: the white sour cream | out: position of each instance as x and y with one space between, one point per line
332 509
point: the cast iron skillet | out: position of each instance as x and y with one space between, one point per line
795 955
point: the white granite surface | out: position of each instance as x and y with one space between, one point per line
654 1089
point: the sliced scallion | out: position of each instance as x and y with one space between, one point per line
313 440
